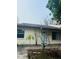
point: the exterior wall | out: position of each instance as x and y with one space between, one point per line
36 34
25 40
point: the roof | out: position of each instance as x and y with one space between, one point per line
39 26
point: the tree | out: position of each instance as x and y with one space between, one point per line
55 7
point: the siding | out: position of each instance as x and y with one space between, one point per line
36 34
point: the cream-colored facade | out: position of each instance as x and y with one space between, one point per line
36 34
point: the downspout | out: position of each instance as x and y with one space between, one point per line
36 39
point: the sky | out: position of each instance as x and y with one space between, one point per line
32 11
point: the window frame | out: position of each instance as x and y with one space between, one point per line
54 35
20 33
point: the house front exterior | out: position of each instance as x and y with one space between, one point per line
31 37
33 34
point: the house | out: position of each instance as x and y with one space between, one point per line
32 37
